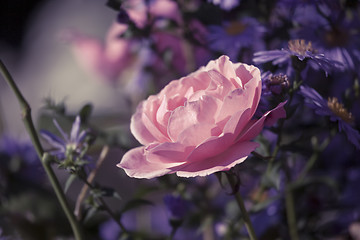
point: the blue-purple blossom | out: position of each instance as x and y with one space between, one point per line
234 36
66 145
300 49
338 37
332 109
23 152
176 205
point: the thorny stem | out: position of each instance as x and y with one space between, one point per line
45 158
240 202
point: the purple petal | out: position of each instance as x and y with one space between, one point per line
75 130
64 135
53 140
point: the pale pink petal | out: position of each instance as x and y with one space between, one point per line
167 152
201 111
136 165
198 133
241 99
276 114
219 85
163 115
143 129
227 159
247 72
149 118
269 117
237 122
223 65
211 147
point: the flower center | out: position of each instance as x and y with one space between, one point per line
300 46
279 79
235 28
339 110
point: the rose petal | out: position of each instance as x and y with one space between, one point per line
275 114
237 122
223 65
241 99
167 152
221 162
247 72
135 164
253 130
198 133
143 129
211 147
201 111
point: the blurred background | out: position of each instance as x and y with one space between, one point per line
43 64
49 47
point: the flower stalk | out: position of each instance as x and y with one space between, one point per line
45 158
244 213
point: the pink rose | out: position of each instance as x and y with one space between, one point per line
107 60
199 124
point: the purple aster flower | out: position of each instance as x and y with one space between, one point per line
66 145
177 206
226 4
300 49
21 154
231 38
337 37
333 109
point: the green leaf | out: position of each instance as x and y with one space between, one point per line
264 204
69 181
134 204
85 112
90 213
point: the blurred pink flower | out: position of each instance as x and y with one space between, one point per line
105 59
199 124
138 11
185 56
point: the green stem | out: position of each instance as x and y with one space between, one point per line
106 207
245 215
25 110
45 160
290 214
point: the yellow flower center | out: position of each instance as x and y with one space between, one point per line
235 28
300 46
339 110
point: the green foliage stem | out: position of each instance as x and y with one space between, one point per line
244 213
45 158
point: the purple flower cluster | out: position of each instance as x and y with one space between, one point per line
332 109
